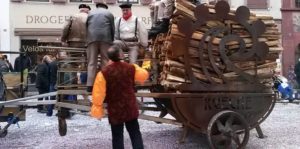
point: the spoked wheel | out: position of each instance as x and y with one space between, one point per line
62 126
227 130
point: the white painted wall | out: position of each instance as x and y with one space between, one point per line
49 15
22 15
273 8
4 26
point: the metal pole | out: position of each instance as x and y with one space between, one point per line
22 75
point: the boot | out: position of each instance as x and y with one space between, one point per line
163 27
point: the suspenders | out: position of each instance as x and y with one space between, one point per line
135 31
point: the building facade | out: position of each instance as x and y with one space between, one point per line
38 22
290 33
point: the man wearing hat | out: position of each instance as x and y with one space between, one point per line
164 12
130 33
100 36
74 31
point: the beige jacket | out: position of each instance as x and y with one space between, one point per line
75 28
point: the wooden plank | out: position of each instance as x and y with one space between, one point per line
68 49
73 92
32 103
162 120
71 70
73 106
28 98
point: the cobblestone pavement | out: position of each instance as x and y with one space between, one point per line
40 132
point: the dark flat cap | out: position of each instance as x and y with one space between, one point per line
84 6
103 5
125 5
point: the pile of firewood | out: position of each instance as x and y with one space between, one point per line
170 49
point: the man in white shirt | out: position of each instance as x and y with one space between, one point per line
130 33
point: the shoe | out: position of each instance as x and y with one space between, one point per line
89 89
163 27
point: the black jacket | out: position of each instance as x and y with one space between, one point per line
53 72
26 63
43 76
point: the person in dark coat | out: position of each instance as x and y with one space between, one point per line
26 63
8 63
52 87
43 79
3 65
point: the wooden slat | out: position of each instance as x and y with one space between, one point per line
157 119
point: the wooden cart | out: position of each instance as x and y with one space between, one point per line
224 109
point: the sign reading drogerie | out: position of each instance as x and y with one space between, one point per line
53 19
36 19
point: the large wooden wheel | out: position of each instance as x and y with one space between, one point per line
228 129
62 126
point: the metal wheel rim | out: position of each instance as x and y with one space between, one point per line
225 128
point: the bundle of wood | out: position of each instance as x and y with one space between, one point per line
170 49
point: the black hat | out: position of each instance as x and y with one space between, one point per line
103 5
84 6
125 5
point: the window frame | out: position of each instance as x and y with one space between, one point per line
297 3
257 6
128 1
90 1
38 1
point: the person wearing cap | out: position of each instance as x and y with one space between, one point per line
115 83
100 36
163 12
3 65
43 80
130 33
74 30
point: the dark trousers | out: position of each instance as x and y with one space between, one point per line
134 133
42 91
51 107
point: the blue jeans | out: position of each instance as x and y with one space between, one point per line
286 92
51 107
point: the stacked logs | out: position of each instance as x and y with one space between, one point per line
170 49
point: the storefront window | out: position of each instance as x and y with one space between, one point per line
297 3
85 1
128 1
257 4
37 0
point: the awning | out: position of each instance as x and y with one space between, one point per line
38 31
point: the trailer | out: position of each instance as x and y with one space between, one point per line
204 99
224 110
13 103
